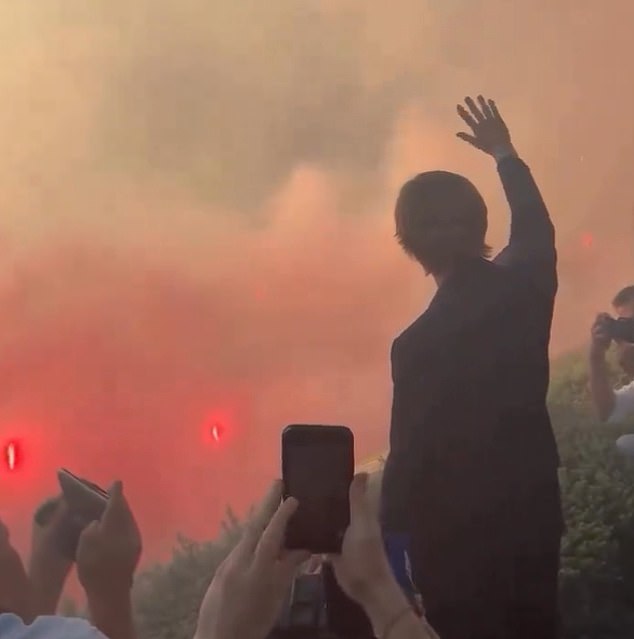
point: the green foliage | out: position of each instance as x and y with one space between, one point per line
167 597
597 566
597 574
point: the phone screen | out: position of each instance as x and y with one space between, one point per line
318 466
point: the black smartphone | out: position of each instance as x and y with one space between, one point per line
86 503
317 468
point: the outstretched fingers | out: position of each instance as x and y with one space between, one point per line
485 107
494 110
467 117
475 111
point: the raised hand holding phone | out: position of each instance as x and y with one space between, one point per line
317 469
85 502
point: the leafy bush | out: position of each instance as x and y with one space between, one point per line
597 567
167 596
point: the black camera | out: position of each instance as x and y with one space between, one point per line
317 608
620 329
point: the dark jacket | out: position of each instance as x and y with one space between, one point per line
470 431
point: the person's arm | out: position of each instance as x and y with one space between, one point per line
392 616
601 391
603 395
107 556
48 569
111 614
531 246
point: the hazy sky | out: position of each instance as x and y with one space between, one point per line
196 218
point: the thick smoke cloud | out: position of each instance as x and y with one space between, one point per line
196 218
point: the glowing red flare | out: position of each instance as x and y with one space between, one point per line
11 456
216 432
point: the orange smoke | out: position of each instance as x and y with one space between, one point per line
197 220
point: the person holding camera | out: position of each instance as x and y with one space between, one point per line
614 405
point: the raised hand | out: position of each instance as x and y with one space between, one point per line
249 588
600 334
109 550
489 132
362 564
48 568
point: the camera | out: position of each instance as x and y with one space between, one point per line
621 329
317 608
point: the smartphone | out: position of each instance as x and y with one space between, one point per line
317 469
86 503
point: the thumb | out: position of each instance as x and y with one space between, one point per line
467 137
117 509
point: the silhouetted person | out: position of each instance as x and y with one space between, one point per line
471 480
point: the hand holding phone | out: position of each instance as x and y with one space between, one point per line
317 469
86 503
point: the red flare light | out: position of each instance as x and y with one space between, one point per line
11 455
216 432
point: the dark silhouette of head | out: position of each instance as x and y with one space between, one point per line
624 301
441 221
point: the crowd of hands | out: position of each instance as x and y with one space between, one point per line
247 592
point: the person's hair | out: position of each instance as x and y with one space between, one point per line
441 220
623 297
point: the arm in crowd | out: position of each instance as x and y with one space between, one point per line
603 394
48 567
107 557
531 248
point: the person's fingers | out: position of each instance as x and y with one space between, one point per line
117 513
359 506
467 118
465 137
260 520
475 112
485 108
272 539
494 110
